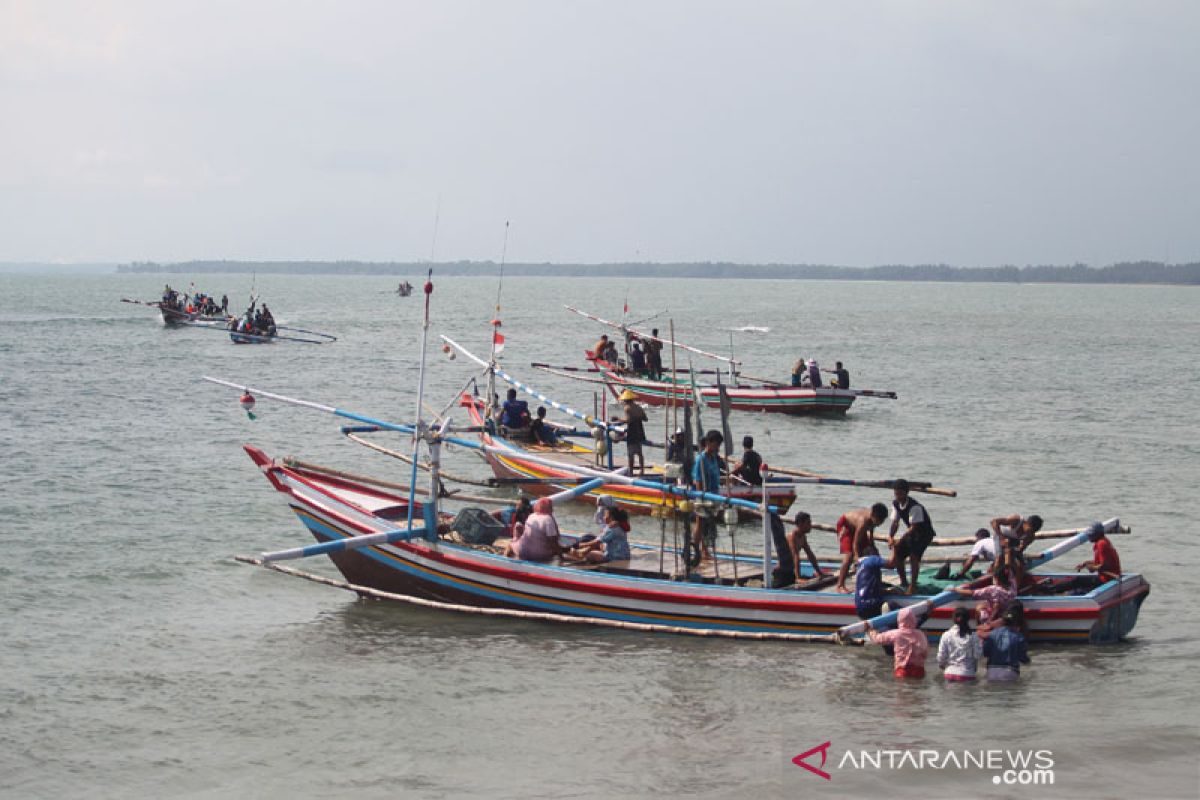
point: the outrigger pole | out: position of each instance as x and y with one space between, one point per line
441 437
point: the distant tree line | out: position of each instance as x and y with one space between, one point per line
1128 272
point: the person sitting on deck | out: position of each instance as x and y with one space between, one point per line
637 358
613 544
1006 650
1105 561
600 348
749 467
611 355
797 539
514 414
799 373
654 364
841 377
514 518
537 540
996 597
917 535
677 447
959 649
706 477
855 529
984 550
910 642
542 432
1015 534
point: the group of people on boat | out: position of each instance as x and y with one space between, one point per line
534 534
644 354
807 374
404 289
199 304
512 419
255 322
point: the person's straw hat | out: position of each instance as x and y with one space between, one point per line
628 395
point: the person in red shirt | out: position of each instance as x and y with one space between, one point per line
1105 561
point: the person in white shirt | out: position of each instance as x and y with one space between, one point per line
959 649
984 550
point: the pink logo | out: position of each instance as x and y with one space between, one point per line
824 750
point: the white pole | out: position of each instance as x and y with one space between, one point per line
419 431
766 523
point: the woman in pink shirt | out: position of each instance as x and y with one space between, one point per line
912 646
996 598
538 538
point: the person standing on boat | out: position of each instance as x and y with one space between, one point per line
749 467
635 430
225 304
855 530
917 535
984 550
537 540
1006 650
654 348
814 374
637 358
841 376
912 646
799 374
959 650
706 477
1105 561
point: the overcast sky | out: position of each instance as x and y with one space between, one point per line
856 133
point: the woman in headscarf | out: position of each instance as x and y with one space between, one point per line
910 642
538 540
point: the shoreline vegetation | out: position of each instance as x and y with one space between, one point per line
1140 272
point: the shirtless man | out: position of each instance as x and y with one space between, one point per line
797 539
1015 533
854 530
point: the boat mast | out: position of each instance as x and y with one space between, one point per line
419 428
489 404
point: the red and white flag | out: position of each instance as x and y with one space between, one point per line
497 341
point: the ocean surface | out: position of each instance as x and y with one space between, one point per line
138 659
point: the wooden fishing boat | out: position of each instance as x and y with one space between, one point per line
742 397
545 480
743 392
439 568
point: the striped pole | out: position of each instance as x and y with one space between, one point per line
529 390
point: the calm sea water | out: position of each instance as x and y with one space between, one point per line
139 660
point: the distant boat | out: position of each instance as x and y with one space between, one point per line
404 289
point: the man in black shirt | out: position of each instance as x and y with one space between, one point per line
748 468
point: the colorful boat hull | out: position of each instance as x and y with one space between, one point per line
334 508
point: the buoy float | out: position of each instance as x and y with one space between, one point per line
247 402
